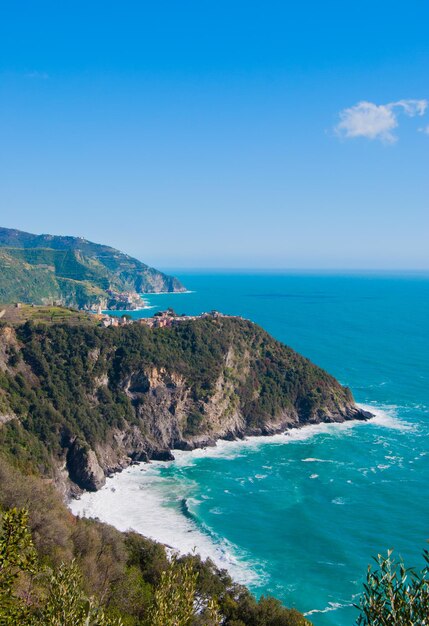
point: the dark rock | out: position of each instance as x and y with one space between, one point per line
141 456
208 443
184 445
83 467
359 414
162 455
229 436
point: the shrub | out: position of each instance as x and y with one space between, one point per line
395 595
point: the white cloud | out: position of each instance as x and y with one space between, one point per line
411 107
424 130
376 121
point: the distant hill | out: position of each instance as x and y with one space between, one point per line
40 269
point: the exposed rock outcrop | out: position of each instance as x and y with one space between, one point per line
84 468
109 397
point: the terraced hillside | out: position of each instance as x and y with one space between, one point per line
43 268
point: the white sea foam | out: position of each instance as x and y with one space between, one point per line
141 499
386 416
332 606
239 447
313 460
216 511
135 500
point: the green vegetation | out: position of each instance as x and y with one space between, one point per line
66 603
46 315
65 386
17 556
174 598
41 269
395 595
52 373
57 570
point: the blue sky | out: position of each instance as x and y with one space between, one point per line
220 134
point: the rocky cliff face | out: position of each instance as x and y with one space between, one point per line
100 399
163 405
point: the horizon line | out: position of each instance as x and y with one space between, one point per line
330 270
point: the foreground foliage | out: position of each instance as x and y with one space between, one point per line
58 570
395 595
17 556
175 596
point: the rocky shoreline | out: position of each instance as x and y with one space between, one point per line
79 402
88 469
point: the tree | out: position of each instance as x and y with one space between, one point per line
211 614
394 595
65 603
17 556
174 598
68 606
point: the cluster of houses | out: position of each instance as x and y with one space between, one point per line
166 319
112 320
162 319
127 300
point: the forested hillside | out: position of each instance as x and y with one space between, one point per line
78 401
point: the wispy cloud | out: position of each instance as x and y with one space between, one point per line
377 121
425 130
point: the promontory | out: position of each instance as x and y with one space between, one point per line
79 401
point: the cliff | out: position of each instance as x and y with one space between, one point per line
40 269
78 402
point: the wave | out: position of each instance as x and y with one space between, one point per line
142 501
185 508
386 416
146 499
383 416
313 460
332 606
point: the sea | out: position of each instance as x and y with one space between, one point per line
301 515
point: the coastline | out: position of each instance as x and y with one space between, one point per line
166 293
135 498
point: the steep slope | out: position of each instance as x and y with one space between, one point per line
42 268
81 401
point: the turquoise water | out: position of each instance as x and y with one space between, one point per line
303 518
